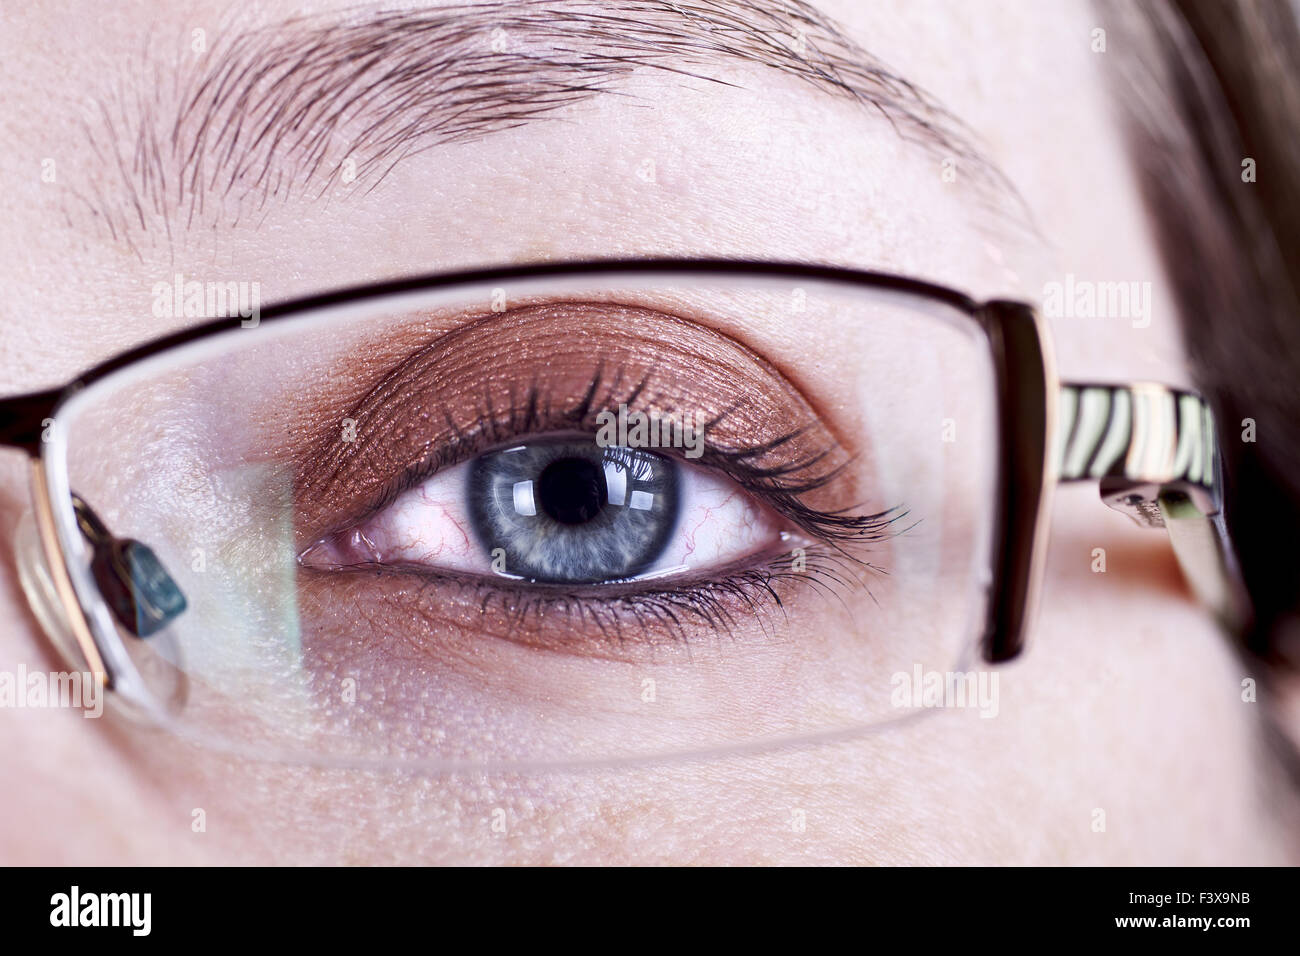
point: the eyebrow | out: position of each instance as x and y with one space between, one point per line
298 107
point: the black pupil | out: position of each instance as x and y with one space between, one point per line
572 490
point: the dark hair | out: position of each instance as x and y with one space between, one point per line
1212 93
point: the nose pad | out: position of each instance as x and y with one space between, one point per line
159 687
139 591
38 584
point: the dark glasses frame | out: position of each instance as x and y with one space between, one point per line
1151 448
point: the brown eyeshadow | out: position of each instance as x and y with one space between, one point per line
552 367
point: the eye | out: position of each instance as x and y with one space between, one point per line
559 511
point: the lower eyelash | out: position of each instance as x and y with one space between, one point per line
755 590
613 615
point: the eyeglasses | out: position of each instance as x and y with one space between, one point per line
561 514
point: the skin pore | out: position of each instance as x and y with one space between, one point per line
1129 699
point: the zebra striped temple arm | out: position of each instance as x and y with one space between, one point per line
1154 452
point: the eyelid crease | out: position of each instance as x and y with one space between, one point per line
566 358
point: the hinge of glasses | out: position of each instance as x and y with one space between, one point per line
1142 443
1141 501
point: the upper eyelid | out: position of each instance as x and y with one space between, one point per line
450 368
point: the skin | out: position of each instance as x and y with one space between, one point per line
1129 700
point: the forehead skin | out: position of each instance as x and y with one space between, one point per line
1125 669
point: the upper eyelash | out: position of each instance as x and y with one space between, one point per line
781 486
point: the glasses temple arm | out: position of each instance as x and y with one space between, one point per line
1154 452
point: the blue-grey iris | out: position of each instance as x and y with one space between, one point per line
572 512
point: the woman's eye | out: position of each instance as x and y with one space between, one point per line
560 511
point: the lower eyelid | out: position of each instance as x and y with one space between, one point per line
433 611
